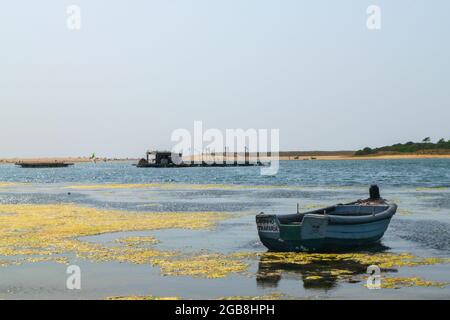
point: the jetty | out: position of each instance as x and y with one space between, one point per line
39 164
167 159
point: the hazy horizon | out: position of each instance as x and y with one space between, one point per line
136 72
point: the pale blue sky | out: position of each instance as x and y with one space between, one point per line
137 70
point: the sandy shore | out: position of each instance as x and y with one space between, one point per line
374 157
241 158
37 160
67 159
330 157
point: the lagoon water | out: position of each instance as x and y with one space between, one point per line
421 226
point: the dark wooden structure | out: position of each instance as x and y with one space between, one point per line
166 159
160 159
43 164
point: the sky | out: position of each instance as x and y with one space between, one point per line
138 70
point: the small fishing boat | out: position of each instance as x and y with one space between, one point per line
340 226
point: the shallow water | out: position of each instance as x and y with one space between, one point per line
421 227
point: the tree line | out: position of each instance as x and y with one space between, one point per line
408 147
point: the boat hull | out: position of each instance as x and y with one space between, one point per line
319 232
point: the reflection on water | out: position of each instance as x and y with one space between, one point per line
317 271
423 173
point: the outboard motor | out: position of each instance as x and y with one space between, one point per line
374 192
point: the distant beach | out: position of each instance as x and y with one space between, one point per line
60 159
326 155
283 156
373 157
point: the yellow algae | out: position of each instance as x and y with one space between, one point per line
142 298
146 205
36 226
174 186
404 212
46 231
62 260
344 187
338 272
314 206
122 254
43 232
7 184
7 263
13 184
322 267
431 188
112 186
138 241
397 283
383 260
313 277
36 233
204 265
272 296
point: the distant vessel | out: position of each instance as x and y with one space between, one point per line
43 164
167 159
344 225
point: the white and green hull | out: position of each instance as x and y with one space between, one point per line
334 227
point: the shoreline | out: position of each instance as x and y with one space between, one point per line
311 157
373 157
322 157
60 160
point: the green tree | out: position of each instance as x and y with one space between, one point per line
364 151
441 141
427 139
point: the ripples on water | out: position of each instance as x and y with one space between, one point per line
420 187
417 173
427 233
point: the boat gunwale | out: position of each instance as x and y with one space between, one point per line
334 219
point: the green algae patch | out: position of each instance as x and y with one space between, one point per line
383 260
432 188
113 186
7 184
325 270
397 283
404 212
271 296
176 186
209 266
314 206
7 263
36 233
313 277
168 186
138 241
